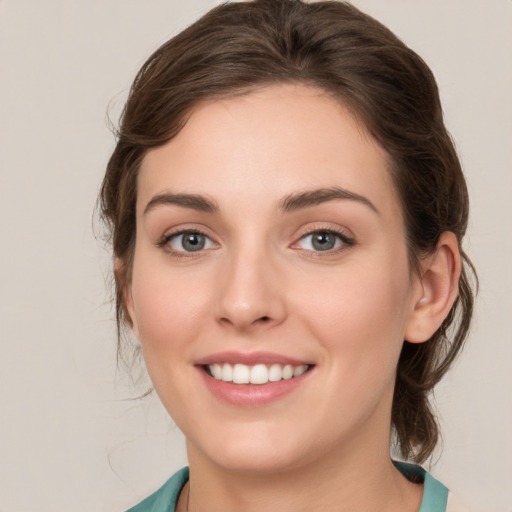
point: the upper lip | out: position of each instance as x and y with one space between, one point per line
250 359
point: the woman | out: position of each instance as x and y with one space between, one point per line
287 211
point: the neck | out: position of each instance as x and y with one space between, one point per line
338 483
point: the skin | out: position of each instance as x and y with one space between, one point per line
260 285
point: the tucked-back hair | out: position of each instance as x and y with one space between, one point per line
238 47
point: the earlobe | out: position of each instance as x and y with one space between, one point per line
439 284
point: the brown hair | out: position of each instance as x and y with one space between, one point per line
240 46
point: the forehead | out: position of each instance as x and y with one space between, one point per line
261 146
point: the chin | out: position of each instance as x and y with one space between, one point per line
256 460
257 449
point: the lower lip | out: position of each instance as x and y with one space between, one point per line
251 395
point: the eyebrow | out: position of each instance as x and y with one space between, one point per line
290 203
308 198
192 201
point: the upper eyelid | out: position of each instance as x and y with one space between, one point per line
342 232
179 230
167 237
347 240
184 231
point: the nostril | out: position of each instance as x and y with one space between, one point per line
264 319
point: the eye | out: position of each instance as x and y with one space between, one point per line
187 241
323 240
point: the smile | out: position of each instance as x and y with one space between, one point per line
253 379
256 374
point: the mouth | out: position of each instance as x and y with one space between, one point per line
253 379
258 374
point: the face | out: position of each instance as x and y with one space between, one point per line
270 288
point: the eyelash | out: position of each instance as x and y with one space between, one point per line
164 242
346 241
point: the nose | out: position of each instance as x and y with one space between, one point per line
251 294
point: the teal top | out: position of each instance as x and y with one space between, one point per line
435 494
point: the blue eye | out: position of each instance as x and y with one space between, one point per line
323 240
188 241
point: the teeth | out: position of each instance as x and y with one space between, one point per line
241 374
275 373
299 370
257 374
288 372
216 370
227 373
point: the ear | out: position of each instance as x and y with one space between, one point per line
438 290
125 294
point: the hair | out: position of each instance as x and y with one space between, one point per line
238 47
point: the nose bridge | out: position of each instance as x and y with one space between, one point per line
250 294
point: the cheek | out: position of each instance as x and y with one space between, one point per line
170 314
359 321
168 310
360 314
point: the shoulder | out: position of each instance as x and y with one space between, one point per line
436 497
165 498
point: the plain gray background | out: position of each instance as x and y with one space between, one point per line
68 440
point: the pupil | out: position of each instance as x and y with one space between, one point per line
323 241
193 242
